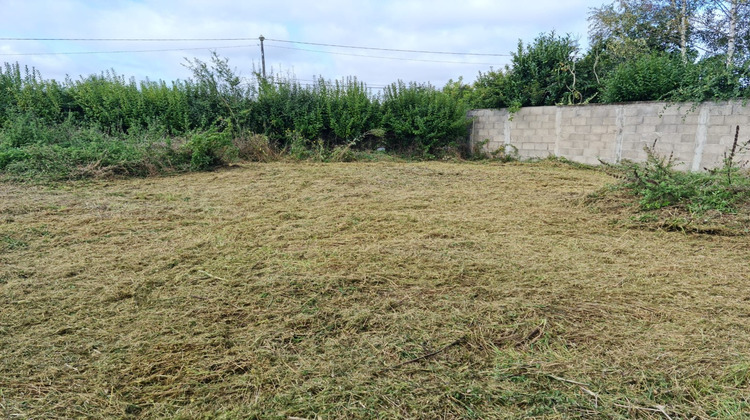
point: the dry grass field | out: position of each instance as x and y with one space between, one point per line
363 290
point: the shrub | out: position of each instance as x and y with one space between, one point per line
210 148
648 78
659 185
23 129
420 117
109 124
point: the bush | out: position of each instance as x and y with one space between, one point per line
420 117
541 73
659 185
210 148
650 77
58 151
113 125
713 80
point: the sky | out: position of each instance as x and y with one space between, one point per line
490 29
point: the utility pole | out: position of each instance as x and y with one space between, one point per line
263 55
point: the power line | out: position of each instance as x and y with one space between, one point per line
388 49
312 84
124 51
128 39
384 57
238 46
252 39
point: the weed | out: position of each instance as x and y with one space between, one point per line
712 202
298 146
505 153
255 148
210 148
659 185
11 243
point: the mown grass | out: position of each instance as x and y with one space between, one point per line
363 290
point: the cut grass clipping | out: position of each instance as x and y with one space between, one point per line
380 290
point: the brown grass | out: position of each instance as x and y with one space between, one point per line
384 290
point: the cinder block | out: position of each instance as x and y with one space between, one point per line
590 152
716 120
670 128
652 120
727 141
691 119
571 153
604 111
737 119
640 110
646 128
578 121
687 138
670 120
534 110
688 128
602 129
722 110
719 130
682 148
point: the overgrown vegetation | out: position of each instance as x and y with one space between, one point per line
714 201
106 124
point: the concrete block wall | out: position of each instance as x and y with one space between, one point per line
697 135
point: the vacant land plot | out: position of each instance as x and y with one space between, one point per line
384 290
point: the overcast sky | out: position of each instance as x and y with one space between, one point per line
466 26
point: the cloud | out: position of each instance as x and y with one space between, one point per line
486 26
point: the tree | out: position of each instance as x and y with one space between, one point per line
632 27
543 71
725 29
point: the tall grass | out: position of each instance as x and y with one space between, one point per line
56 128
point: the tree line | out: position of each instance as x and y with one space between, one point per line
640 50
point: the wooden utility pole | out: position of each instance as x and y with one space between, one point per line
262 55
